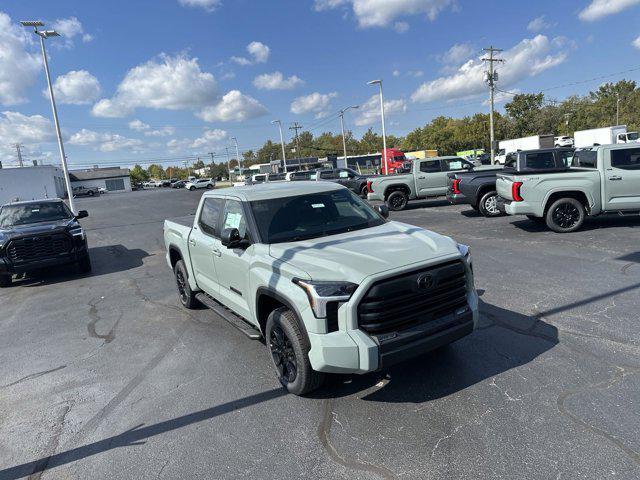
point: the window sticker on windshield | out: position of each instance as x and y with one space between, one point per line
35 210
233 220
317 205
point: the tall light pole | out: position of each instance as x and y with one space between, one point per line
228 162
384 131
235 140
44 34
284 155
344 141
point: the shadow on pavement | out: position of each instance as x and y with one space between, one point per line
591 223
104 260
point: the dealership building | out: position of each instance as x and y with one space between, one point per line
31 183
109 178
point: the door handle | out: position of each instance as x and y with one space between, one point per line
216 252
421 178
615 178
192 243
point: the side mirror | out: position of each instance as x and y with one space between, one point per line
82 214
383 210
230 238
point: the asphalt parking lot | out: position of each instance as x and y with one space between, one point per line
105 376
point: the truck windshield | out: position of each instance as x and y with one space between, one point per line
632 137
11 215
311 216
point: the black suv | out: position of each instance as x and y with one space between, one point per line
344 176
40 234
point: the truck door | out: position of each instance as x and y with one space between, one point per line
453 165
203 241
622 179
429 177
232 264
347 178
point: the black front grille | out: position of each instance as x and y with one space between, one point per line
28 249
403 301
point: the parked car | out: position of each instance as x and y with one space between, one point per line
40 234
563 141
102 190
478 187
344 301
603 179
344 176
85 191
428 178
178 184
200 183
298 176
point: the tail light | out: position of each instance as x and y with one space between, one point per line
515 192
369 188
456 186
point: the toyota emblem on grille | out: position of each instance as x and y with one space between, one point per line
425 282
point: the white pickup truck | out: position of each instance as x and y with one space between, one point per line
326 279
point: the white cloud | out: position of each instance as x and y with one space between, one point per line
276 81
161 132
598 9
401 27
234 106
316 102
457 54
19 67
396 73
636 43
528 58
539 23
384 13
16 127
258 52
105 142
369 112
208 5
138 125
172 83
70 28
209 139
77 87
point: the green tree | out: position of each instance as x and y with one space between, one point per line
138 174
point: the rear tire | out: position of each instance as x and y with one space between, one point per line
397 201
488 205
192 189
364 191
565 215
186 295
289 348
84 265
91 193
209 187
5 281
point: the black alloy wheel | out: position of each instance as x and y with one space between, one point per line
284 356
565 215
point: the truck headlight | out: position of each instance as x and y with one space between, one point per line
77 232
320 293
465 251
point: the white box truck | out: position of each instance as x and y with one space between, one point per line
535 142
604 136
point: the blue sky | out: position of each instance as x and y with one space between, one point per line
143 80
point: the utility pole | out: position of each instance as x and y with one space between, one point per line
17 145
296 126
228 162
212 163
284 155
44 34
491 79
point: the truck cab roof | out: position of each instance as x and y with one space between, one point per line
266 191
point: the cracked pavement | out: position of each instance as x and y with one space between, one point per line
106 375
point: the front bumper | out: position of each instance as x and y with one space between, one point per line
9 268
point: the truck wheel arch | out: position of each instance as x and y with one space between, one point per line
175 255
267 300
579 195
481 191
397 187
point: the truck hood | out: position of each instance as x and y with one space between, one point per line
37 228
356 255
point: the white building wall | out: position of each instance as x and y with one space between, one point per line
102 182
31 183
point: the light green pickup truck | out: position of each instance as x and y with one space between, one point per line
329 283
428 178
602 179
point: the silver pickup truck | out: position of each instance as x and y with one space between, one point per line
329 283
602 179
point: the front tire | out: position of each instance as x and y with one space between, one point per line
5 281
186 295
209 187
192 189
91 193
397 201
565 215
84 265
488 205
289 348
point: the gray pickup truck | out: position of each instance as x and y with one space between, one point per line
428 178
602 179
323 277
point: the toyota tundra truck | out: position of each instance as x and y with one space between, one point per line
601 180
428 178
329 283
